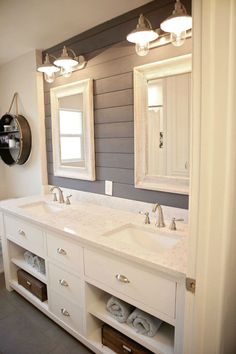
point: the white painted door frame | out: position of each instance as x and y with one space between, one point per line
210 323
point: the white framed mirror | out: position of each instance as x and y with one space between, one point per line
73 130
162 92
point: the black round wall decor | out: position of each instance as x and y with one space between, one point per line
15 139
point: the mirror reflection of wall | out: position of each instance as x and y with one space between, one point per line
168 126
162 94
71 130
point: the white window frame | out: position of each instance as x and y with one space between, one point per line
60 168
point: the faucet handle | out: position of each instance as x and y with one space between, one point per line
54 197
68 199
147 219
173 224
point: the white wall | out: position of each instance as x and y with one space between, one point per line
20 76
211 317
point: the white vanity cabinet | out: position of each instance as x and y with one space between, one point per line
80 278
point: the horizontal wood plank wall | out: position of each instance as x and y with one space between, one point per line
111 67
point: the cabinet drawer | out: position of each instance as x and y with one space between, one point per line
65 284
66 311
65 252
25 234
132 280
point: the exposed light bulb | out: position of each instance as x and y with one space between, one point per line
142 35
66 71
177 24
49 77
142 49
177 39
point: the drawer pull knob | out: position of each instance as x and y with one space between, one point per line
61 251
122 278
63 282
21 232
65 312
126 349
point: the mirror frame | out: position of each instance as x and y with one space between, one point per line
86 172
160 69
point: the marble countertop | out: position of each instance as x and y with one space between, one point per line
87 223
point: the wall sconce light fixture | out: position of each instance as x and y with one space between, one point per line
177 24
142 35
68 60
48 69
65 64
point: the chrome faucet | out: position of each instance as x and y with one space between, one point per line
160 220
147 219
60 194
173 224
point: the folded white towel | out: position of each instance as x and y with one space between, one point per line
29 258
144 323
119 309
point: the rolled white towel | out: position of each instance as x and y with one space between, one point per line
144 323
119 309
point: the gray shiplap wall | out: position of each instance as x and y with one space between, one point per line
112 71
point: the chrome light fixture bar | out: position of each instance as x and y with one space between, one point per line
177 24
142 35
48 69
165 38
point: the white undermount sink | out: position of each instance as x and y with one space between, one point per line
148 240
43 207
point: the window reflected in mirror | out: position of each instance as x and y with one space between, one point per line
73 130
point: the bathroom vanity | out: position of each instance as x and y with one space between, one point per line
92 252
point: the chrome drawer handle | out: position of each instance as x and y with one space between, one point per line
61 251
122 278
63 282
21 232
65 312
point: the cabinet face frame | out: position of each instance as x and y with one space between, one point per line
169 67
86 172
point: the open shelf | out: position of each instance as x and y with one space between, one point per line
30 297
9 132
20 262
16 254
161 343
9 148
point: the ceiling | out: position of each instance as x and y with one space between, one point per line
26 25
